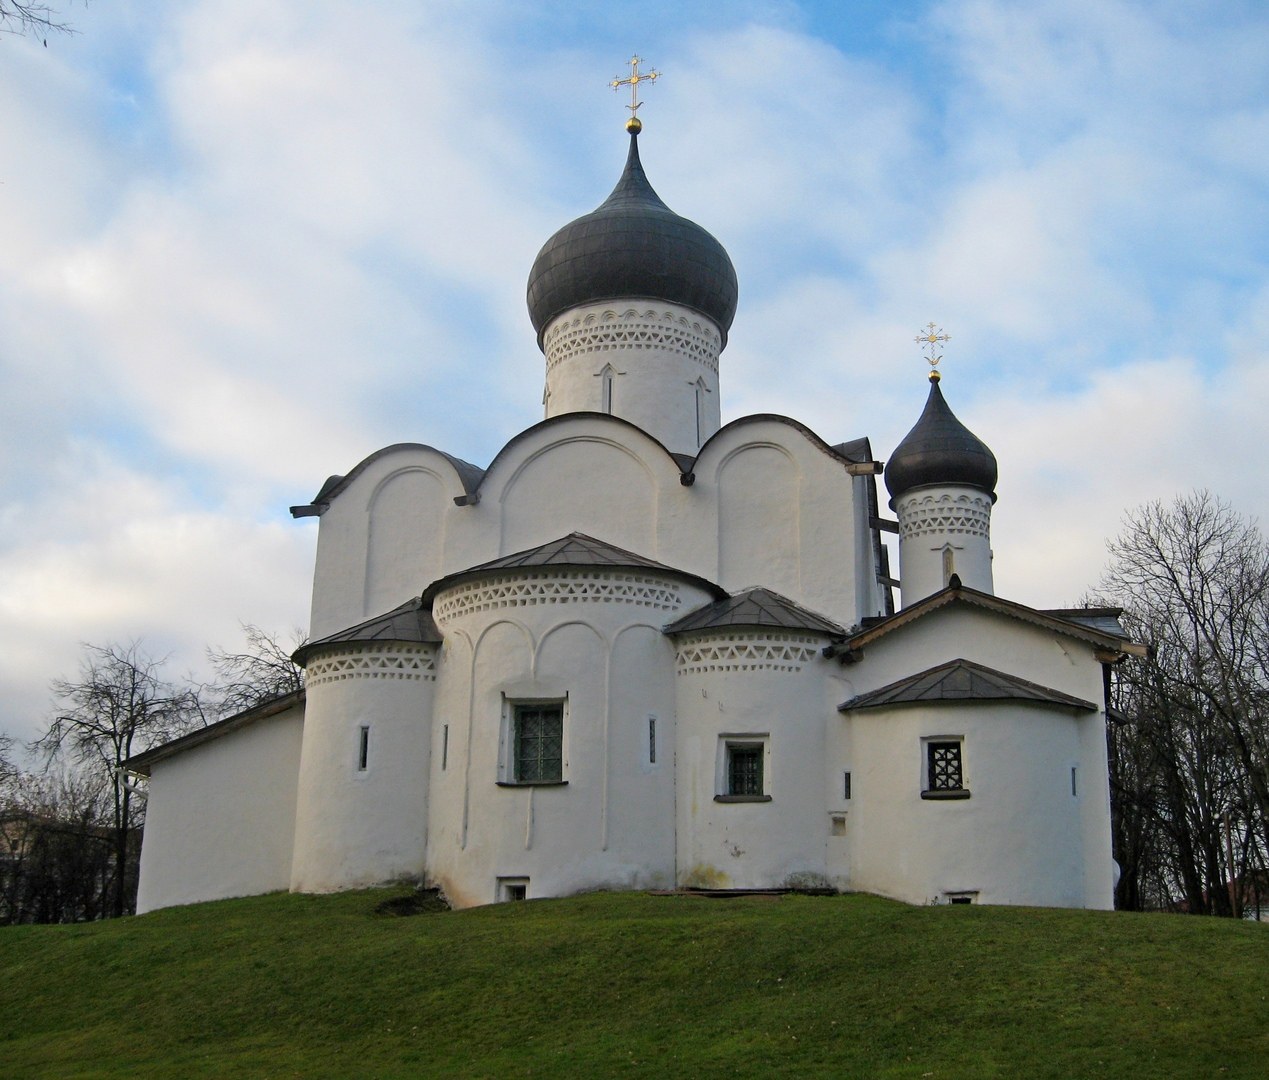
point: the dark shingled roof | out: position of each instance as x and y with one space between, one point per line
574 550
963 680
755 608
632 245
412 621
940 450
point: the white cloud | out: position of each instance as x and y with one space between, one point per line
246 246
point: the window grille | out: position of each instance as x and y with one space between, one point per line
744 769
945 766
539 744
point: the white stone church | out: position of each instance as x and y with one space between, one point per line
642 650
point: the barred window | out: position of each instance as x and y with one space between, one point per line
539 743
944 766
744 768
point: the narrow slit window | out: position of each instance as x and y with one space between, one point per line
846 785
652 740
363 747
444 747
1074 781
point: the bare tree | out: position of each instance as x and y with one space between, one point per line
18 17
119 705
263 671
1190 756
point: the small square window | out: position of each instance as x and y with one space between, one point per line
742 769
944 773
537 742
513 889
944 766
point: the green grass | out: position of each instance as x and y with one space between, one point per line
629 984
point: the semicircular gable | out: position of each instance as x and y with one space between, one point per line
514 447
461 476
726 439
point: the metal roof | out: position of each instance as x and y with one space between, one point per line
411 622
574 550
963 680
632 245
940 450
755 608
963 594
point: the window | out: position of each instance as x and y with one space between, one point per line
513 889
962 897
538 742
845 785
363 747
652 740
605 388
944 769
742 769
444 747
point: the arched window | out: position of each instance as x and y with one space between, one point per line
605 388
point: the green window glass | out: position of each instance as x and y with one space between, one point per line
539 744
744 769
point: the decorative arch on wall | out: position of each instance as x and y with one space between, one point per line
759 517
405 535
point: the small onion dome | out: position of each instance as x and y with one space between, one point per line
940 450
633 245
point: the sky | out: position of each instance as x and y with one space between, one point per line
246 245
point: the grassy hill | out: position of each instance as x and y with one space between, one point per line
630 984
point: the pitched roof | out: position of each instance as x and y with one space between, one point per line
755 608
574 550
956 593
963 680
409 622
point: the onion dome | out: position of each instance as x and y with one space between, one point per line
632 245
940 450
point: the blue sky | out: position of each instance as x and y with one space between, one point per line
247 245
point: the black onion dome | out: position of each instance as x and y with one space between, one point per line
940 450
632 245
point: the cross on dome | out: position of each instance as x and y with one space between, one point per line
634 124
931 338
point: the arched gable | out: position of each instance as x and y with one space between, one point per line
584 472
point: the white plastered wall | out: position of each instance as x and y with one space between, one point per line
746 687
1015 840
596 647
1021 838
647 361
768 505
221 816
943 530
360 826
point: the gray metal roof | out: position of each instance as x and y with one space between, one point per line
964 680
574 550
755 608
632 245
940 450
958 593
1104 620
411 622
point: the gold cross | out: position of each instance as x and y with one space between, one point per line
931 338
633 80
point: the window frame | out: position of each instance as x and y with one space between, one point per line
728 746
510 759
